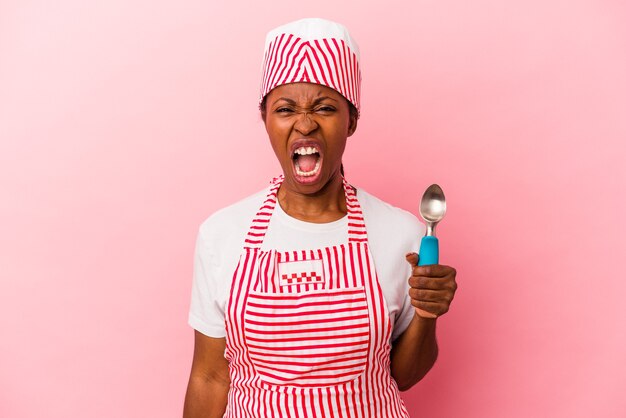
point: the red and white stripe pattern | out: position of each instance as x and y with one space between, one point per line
310 339
261 221
312 349
327 61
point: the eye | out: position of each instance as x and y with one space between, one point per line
283 110
325 109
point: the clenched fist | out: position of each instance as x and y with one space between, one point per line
432 287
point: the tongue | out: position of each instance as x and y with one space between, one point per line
307 162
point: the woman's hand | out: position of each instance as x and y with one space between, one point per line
415 351
432 287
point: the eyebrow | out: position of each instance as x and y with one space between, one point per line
293 102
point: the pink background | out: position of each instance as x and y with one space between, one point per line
124 124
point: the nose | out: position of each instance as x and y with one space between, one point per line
305 124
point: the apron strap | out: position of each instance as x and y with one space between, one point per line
260 223
256 232
356 223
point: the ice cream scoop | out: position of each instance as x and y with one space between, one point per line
432 210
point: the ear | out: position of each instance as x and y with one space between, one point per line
354 118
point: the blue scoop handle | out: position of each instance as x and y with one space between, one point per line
429 251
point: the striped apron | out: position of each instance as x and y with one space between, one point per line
308 331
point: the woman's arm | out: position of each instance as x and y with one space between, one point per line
414 352
207 391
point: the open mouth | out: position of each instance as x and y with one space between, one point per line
306 161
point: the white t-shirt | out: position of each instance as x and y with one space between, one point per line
392 232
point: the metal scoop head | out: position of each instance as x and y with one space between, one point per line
433 207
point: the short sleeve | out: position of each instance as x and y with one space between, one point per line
206 313
406 312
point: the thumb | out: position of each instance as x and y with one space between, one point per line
412 258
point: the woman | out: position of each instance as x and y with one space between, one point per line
307 298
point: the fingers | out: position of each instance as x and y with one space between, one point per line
433 283
435 309
433 270
413 259
432 288
427 295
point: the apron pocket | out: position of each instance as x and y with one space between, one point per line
312 339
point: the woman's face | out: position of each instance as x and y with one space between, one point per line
308 125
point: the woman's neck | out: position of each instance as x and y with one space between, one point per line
327 205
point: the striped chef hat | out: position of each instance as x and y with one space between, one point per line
312 51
